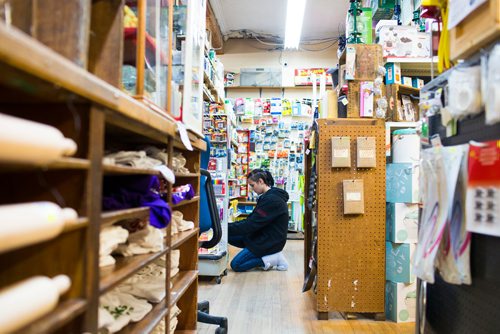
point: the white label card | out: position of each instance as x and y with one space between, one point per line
184 136
353 196
342 153
366 154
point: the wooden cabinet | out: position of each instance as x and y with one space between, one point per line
41 85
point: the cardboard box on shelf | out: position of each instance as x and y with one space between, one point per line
354 199
407 81
402 183
400 301
363 61
393 73
404 42
402 222
396 110
341 152
366 149
417 83
398 267
383 9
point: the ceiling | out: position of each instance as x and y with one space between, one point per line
323 18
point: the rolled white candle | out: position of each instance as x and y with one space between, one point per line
26 141
29 223
28 300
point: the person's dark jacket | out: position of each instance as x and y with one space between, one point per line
264 232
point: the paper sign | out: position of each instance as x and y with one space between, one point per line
166 172
184 136
353 196
366 154
344 153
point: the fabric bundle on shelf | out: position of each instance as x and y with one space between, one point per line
147 240
182 193
117 310
179 224
174 262
148 283
125 192
109 239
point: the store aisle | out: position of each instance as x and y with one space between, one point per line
272 302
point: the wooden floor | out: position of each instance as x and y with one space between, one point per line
272 302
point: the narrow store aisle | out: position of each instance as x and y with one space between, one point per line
272 302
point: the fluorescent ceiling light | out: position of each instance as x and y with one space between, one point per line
294 18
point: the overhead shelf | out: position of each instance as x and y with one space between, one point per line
59 164
111 217
181 283
179 238
116 169
187 174
124 268
268 87
186 202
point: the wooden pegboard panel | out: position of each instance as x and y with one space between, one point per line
351 249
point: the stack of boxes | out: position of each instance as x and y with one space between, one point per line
402 225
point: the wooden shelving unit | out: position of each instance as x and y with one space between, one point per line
179 238
47 83
186 202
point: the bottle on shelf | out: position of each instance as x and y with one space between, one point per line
28 300
28 223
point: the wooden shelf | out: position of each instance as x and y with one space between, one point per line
116 169
111 217
187 175
268 87
149 322
247 203
179 238
63 314
186 331
61 163
124 268
18 51
193 200
181 282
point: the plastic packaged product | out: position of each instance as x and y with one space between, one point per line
27 224
464 92
405 146
434 214
26 141
453 260
492 103
182 193
29 300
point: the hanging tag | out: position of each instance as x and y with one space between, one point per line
166 172
436 141
344 101
184 136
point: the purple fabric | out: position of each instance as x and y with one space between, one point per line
121 192
182 193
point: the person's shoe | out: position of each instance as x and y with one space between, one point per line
282 262
276 260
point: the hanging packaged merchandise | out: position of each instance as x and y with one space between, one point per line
464 91
341 152
453 260
239 106
366 149
483 188
492 97
287 107
434 214
354 199
276 108
249 107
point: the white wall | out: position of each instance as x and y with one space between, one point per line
250 54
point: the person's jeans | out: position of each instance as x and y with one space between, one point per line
245 259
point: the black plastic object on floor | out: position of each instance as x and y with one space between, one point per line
209 202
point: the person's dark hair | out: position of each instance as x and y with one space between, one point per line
257 174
